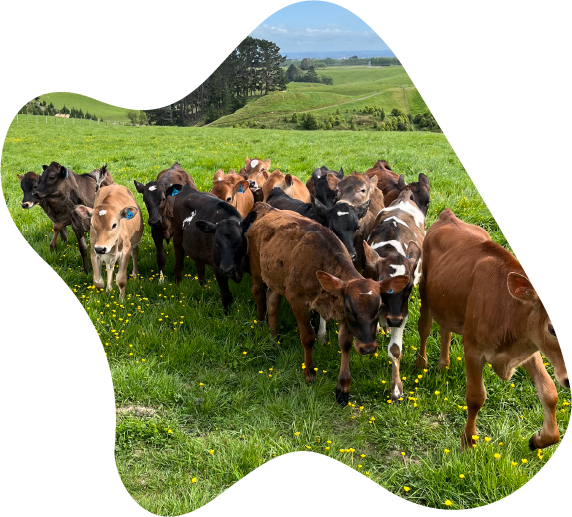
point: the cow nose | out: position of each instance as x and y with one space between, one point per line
252 183
567 383
100 250
394 321
24 205
368 349
227 269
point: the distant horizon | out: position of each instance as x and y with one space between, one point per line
337 54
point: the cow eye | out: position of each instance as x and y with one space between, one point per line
114 226
362 191
551 329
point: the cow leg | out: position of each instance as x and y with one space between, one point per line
225 294
96 265
322 331
258 292
394 353
549 435
345 339
109 267
424 328
57 230
200 267
444 359
161 257
307 336
121 277
273 306
135 256
179 260
63 235
475 396
82 248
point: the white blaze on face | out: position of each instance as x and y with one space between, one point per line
399 270
369 293
153 187
189 219
343 213
253 163
396 244
102 212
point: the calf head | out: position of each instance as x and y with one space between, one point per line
320 187
230 244
105 224
395 309
255 171
354 189
362 301
540 330
155 196
51 181
343 220
28 182
231 176
227 190
278 180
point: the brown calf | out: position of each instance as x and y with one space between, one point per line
291 185
232 176
298 258
236 194
472 286
116 230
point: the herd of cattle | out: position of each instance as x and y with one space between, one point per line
349 247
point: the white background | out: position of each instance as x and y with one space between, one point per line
495 75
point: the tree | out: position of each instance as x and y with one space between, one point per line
326 79
311 76
382 115
293 73
306 64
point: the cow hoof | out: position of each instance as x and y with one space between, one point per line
322 339
420 362
310 375
442 366
397 400
342 398
532 443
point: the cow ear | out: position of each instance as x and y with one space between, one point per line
341 173
265 173
173 190
288 180
248 220
401 182
394 284
319 208
247 162
63 172
267 162
520 288
371 257
218 175
331 283
44 167
20 177
84 212
139 187
205 226
240 187
361 210
129 212
424 180
332 181
372 180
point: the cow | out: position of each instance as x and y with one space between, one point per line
474 287
159 197
235 193
255 171
291 185
59 182
318 186
211 232
394 248
116 231
391 184
54 208
295 257
231 176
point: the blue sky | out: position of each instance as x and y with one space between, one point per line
318 26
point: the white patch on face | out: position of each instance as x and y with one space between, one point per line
368 293
254 163
399 270
411 210
395 221
102 212
417 274
189 219
319 174
343 213
220 179
153 187
396 244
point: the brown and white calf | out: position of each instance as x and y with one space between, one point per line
116 230
295 257
394 248
474 287
54 208
235 193
291 185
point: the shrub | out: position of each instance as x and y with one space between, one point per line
295 118
382 115
310 122
329 125
396 112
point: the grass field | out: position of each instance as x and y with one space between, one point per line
202 403
101 109
354 87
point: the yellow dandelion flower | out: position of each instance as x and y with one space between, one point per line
448 503
462 476
194 480
406 488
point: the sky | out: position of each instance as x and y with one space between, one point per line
319 27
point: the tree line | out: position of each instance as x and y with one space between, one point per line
253 68
37 107
351 61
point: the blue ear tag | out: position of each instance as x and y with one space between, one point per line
248 228
67 173
130 215
175 192
391 292
407 256
241 191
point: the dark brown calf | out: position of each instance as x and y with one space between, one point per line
291 185
295 257
474 287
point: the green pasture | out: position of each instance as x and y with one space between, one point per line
203 399
101 109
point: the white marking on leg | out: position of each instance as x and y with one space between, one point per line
189 219
102 212
417 274
396 244
153 187
161 277
322 330
399 270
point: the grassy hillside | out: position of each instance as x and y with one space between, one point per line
102 110
353 88
201 404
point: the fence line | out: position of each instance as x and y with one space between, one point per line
72 121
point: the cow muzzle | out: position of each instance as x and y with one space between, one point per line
366 348
227 270
100 250
394 321
27 204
